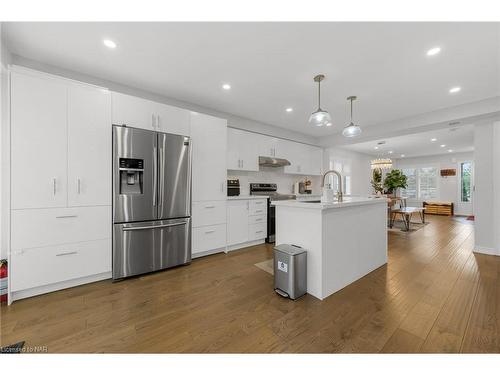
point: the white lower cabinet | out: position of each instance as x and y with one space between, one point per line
208 213
209 227
41 266
54 226
209 238
246 222
237 222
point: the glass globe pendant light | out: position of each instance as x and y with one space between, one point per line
351 130
320 117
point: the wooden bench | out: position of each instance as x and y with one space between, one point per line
439 208
406 214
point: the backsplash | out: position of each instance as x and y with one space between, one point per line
272 175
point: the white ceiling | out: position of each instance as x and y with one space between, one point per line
270 66
456 138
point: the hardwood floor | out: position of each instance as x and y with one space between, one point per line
434 295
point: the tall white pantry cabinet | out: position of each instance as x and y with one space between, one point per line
60 183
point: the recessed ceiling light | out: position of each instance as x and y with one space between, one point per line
376 147
433 139
454 90
329 123
289 109
450 150
226 86
109 43
433 51
390 152
402 155
442 146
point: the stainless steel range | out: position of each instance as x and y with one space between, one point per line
270 190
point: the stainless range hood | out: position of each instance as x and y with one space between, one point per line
267 161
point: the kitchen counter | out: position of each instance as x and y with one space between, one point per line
347 202
244 197
344 240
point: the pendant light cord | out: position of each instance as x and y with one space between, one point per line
351 110
319 94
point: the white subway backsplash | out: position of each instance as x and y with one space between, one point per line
271 175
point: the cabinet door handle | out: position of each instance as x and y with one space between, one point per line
260 219
209 206
258 210
66 216
153 121
157 121
67 253
222 187
259 202
54 182
210 231
78 185
259 231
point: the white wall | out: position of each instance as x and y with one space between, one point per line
5 59
449 189
487 181
350 163
272 175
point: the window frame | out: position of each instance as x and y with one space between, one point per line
417 168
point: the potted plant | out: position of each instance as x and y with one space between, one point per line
377 181
395 180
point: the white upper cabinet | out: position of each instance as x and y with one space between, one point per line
89 146
172 119
242 150
269 146
146 114
38 142
209 145
132 111
61 142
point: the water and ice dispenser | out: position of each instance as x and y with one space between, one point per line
131 176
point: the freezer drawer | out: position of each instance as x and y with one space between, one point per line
150 246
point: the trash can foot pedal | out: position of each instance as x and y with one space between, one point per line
282 293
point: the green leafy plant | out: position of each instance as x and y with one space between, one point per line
377 180
395 179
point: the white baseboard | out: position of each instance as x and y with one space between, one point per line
14 296
244 244
208 252
486 250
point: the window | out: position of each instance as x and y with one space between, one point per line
427 183
465 181
422 183
411 179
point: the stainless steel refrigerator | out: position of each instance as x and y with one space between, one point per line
151 201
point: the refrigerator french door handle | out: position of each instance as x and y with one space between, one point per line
155 175
156 226
162 174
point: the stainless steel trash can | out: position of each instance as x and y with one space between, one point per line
290 271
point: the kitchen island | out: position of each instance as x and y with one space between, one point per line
344 240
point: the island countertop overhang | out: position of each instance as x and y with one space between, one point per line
347 202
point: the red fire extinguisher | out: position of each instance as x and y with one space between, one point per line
3 280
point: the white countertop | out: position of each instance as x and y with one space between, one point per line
347 202
245 197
